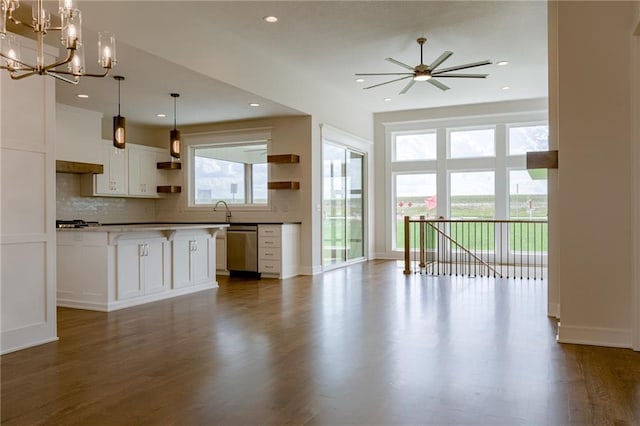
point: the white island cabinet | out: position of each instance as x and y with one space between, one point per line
193 258
106 268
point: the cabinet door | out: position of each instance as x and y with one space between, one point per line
114 180
118 170
142 172
181 262
153 276
199 271
129 260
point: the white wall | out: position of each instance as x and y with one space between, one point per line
593 127
27 222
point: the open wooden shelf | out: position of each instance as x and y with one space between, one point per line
79 168
169 165
284 185
283 159
169 189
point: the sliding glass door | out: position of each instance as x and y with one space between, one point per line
343 205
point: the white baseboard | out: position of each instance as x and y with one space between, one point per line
553 310
29 345
127 303
313 270
597 336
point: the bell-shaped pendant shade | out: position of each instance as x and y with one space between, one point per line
119 132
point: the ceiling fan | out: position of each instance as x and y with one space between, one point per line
428 73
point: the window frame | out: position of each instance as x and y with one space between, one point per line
500 163
242 137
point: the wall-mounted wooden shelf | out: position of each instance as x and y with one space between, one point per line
284 185
79 168
169 189
283 159
169 165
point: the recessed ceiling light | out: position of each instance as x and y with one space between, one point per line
254 104
161 115
82 96
506 87
502 63
270 19
359 80
387 99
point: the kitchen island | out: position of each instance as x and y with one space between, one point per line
111 267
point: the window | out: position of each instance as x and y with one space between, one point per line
523 139
472 143
415 196
413 147
235 173
473 195
480 175
528 194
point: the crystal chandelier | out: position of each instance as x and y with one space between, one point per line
70 36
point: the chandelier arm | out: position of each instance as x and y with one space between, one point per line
70 55
81 74
13 75
59 77
27 66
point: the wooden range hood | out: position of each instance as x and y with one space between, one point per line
79 168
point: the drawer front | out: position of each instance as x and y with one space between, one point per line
268 253
269 231
268 242
269 266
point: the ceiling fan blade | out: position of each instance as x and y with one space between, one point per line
463 75
435 64
407 87
387 82
462 67
438 84
387 73
403 65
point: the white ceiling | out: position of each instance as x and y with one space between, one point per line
221 55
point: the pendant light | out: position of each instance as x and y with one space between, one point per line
174 135
119 122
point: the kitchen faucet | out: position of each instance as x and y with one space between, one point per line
226 207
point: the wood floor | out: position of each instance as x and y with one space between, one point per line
361 345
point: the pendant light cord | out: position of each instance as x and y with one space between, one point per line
118 97
175 101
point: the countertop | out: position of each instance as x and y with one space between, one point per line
135 227
162 226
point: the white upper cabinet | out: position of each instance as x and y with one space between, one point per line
115 179
131 172
143 172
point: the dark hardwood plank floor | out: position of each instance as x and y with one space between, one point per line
359 345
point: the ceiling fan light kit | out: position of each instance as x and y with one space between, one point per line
428 73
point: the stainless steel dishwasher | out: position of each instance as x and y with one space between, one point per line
242 248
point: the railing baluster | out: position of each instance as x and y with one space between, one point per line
437 247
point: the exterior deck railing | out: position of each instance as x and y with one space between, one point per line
471 247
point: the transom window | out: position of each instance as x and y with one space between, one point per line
472 143
411 147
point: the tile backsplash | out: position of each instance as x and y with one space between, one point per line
71 205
